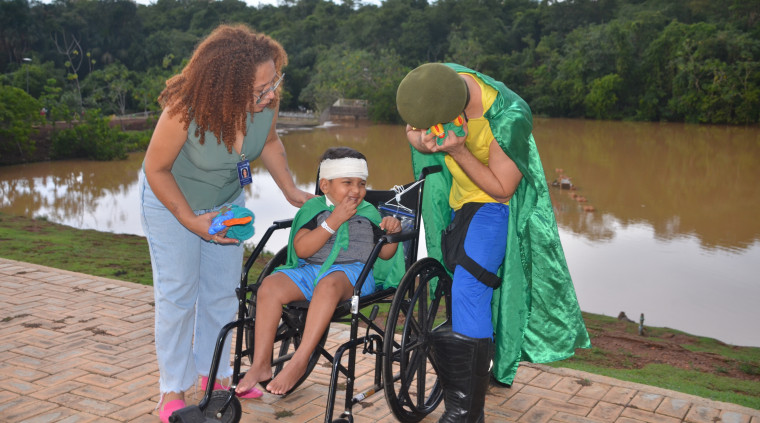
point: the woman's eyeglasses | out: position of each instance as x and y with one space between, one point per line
263 93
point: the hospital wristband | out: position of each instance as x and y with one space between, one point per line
327 227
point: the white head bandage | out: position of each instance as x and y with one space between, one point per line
347 167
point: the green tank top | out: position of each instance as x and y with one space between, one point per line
207 174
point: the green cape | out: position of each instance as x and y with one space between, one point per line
536 315
387 273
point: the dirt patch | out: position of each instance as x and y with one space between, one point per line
617 344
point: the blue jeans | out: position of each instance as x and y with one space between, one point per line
194 285
486 243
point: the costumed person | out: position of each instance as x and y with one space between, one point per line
488 217
218 114
331 239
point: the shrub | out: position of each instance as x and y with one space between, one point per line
91 138
136 140
19 112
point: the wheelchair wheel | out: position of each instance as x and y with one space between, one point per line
289 332
232 414
417 308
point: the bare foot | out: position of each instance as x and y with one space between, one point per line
251 378
171 396
288 377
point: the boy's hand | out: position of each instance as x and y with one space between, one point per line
344 211
390 225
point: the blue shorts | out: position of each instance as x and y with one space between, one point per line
305 276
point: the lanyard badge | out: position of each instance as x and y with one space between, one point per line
244 171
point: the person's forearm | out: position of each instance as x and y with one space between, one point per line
165 187
388 250
306 243
415 136
275 161
482 175
168 138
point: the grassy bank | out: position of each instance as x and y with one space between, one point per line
660 357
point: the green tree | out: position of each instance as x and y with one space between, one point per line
602 97
69 46
15 37
356 74
149 87
19 112
90 138
52 99
692 60
112 88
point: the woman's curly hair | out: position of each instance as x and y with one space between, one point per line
216 87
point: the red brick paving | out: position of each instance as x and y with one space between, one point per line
78 348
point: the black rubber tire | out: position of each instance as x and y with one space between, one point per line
406 350
232 414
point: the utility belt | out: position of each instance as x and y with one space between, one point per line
452 246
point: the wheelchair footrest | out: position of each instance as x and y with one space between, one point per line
191 414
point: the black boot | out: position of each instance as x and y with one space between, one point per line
463 365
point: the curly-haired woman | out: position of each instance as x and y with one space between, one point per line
219 113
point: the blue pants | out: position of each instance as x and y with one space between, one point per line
194 285
486 243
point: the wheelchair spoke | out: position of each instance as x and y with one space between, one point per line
411 387
415 366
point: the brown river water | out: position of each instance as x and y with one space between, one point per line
674 233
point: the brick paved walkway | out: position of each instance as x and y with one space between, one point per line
78 348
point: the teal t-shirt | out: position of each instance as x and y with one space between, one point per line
207 174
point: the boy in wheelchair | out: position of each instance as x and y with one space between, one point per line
331 237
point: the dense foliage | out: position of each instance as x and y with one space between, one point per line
674 60
92 138
19 112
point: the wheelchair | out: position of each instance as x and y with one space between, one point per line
418 305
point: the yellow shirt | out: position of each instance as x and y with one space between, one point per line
479 138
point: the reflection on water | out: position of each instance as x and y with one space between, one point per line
385 147
673 234
83 194
683 180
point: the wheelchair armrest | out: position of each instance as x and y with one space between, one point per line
399 237
277 224
282 224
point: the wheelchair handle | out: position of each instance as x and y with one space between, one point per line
429 170
281 224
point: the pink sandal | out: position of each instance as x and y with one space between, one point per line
251 393
169 408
